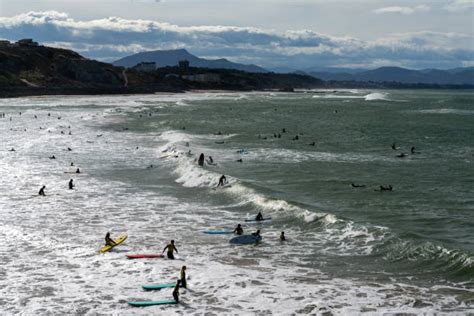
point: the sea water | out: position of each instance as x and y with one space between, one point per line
291 156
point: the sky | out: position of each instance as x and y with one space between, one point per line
275 34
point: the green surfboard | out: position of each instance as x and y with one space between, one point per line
151 303
158 286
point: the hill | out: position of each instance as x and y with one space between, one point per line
164 58
458 76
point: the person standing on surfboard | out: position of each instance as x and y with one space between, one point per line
183 276
176 291
171 248
222 181
109 241
41 191
238 230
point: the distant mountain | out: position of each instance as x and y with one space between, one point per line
396 74
164 58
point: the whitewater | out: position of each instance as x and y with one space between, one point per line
292 156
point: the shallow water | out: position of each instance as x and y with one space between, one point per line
350 250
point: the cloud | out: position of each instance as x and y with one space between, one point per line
403 10
460 5
114 37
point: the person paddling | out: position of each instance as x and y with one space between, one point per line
109 241
171 248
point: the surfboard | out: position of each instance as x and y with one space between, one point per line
217 232
150 303
245 239
144 255
117 241
158 286
262 220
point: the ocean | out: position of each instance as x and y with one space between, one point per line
292 156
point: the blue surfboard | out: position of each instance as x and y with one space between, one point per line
245 240
151 303
217 232
158 286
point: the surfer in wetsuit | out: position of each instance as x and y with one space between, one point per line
201 160
171 248
358 185
385 188
394 147
402 155
71 185
257 233
78 171
176 291
183 276
238 230
109 241
282 236
222 181
259 217
41 191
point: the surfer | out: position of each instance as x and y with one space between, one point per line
52 157
412 150
210 160
259 217
239 160
385 188
402 155
201 160
238 230
109 241
71 185
41 191
358 185
282 236
183 276
222 181
257 233
176 291
78 171
171 248
394 147
313 144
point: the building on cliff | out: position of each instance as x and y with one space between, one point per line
145 66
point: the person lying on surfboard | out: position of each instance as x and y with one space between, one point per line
257 233
109 241
238 230
259 217
171 248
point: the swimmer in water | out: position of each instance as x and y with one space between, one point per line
238 230
282 236
183 276
385 188
71 185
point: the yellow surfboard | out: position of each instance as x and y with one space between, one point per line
117 241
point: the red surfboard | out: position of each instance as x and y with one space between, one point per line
144 255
